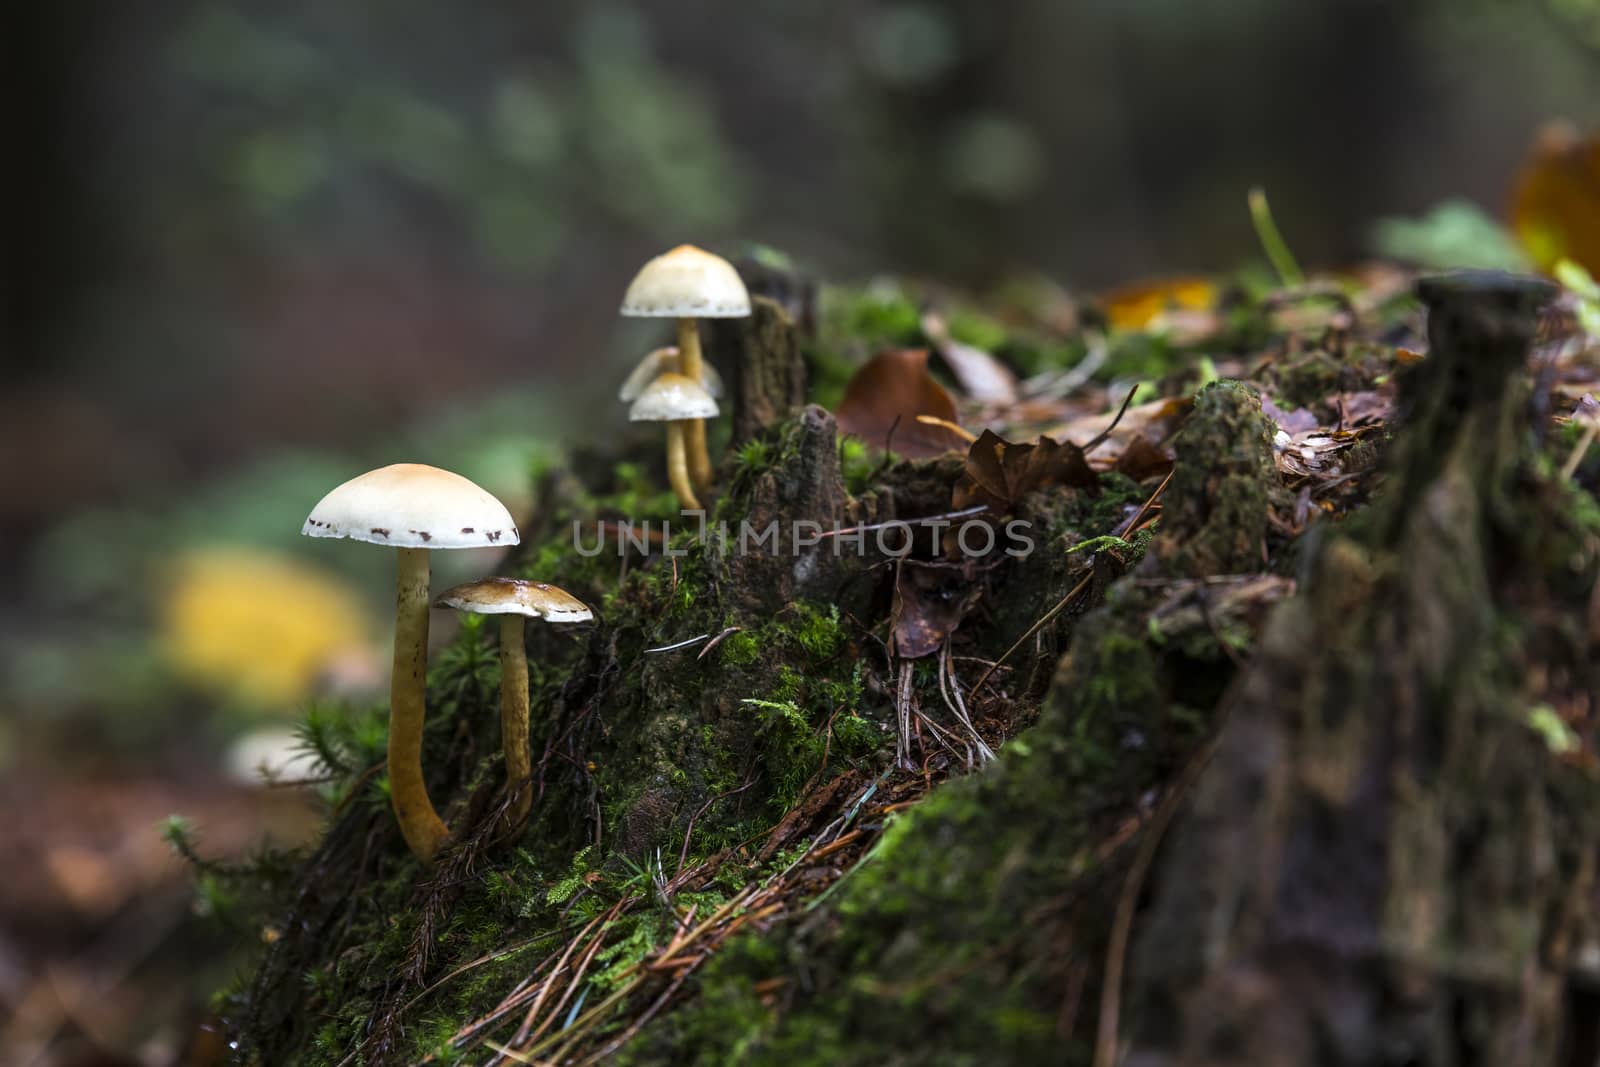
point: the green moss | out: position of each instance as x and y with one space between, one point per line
817 631
857 465
882 314
754 457
740 649
972 327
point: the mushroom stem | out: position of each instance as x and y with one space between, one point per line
514 719
678 464
420 824
691 365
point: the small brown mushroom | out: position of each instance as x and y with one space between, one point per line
515 600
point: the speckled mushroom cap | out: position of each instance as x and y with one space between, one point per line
660 362
410 505
513 596
687 282
672 396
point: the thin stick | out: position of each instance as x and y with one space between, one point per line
678 645
978 509
544 989
960 431
638 1024
1044 621
947 670
1570 467
1133 523
717 640
1100 438
902 703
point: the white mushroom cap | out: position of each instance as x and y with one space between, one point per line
672 396
410 505
660 362
513 596
687 283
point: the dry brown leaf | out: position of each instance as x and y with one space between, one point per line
1155 421
1368 407
999 473
1142 459
929 603
1555 204
884 398
1296 420
982 377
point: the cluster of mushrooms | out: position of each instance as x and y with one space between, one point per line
675 385
415 509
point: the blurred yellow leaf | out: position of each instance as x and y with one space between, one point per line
256 624
1136 307
1555 204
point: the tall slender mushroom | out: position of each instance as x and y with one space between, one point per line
414 509
662 361
674 399
515 600
688 284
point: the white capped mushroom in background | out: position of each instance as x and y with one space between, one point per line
688 284
675 400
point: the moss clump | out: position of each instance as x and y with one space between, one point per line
894 959
1222 483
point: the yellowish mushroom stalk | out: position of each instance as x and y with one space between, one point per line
414 509
690 361
678 462
677 400
514 600
420 824
514 719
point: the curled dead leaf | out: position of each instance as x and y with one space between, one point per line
930 601
999 473
883 399
1143 459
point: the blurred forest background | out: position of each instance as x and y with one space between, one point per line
260 247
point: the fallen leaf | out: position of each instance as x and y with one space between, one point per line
1368 407
1297 421
1140 306
982 377
884 398
929 603
1555 203
999 473
1141 460
1155 421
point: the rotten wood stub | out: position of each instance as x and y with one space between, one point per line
760 358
